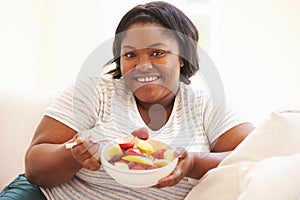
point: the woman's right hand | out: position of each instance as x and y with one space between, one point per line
86 153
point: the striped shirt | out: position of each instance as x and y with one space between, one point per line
105 107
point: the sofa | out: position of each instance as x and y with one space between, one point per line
20 112
265 165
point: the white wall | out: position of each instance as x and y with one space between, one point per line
44 43
254 44
258 55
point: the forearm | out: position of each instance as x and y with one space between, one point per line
202 163
49 165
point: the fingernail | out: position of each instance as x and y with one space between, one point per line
178 152
163 183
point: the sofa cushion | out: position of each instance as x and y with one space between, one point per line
240 174
272 178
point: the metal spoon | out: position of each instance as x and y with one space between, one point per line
72 144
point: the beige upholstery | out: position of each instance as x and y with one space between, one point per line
20 113
264 166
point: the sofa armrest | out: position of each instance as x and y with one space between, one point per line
20 112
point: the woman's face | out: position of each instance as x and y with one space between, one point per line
150 62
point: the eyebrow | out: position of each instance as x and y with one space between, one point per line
150 46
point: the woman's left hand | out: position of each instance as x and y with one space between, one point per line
184 166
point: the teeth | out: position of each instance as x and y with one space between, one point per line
147 79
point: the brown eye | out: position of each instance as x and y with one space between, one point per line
129 55
158 53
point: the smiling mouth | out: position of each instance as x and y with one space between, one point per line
147 79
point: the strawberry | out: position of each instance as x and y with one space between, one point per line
141 133
138 167
127 145
159 153
132 151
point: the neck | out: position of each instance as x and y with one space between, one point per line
167 105
155 115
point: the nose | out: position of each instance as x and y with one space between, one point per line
144 63
144 66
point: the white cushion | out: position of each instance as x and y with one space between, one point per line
273 178
237 175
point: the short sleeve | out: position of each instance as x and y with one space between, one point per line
77 106
219 116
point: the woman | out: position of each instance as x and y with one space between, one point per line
155 52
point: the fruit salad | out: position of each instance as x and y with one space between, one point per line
139 154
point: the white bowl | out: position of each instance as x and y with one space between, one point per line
137 178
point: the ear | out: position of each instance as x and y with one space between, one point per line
181 61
